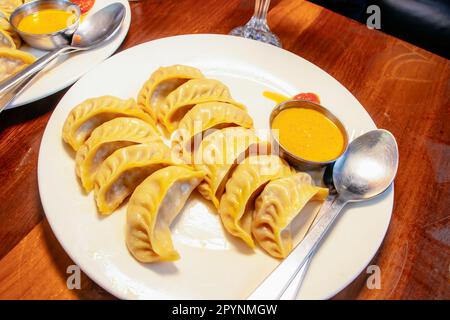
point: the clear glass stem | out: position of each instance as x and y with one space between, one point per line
259 18
261 8
257 28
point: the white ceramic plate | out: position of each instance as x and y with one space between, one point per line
212 265
69 68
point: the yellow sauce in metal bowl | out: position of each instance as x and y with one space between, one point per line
47 21
308 134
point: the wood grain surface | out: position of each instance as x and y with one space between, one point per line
404 88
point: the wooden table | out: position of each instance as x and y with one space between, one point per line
404 88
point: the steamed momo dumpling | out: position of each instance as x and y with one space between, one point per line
8 6
152 207
279 203
6 41
125 169
107 138
218 154
6 28
12 61
204 117
193 92
245 184
163 81
91 113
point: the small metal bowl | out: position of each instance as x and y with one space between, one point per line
46 41
293 159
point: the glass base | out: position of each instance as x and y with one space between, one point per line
262 35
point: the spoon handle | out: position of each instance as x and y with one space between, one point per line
291 292
12 94
11 82
278 281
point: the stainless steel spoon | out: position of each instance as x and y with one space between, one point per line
95 30
291 292
366 170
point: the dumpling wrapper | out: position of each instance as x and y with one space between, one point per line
152 207
278 204
6 27
162 82
250 176
12 61
219 153
91 113
191 93
107 138
6 41
125 169
8 6
201 120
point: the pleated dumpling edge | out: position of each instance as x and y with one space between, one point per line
203 119
91 113
152 207
107 138
125 169
218 154
191 93
161 83
246 182
277 206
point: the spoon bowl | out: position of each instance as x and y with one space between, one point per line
368 167
99 27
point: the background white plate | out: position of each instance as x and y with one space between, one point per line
67 69
212 265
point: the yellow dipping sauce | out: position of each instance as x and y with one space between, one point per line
47 21
308 134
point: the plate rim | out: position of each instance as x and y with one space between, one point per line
120 294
